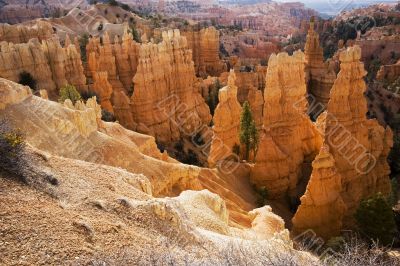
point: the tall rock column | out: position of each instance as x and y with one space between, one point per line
320 75
288 138
226 123
353 163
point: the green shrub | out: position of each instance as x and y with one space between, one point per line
69 92
26 79
375 219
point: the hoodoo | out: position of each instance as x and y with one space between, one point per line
288 138
226 123
352 164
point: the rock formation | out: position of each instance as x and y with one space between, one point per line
103 90
256 101
320 76
389 73
165 99
352 163
288 139
226 123
51 65
119 63
205 51
41 30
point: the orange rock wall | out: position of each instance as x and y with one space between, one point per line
50 64
22 34
205 50
165 100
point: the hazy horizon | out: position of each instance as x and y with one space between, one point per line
333 7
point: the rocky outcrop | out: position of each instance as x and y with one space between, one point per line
226 123
288 139
41 30
352 164
165 99
320 76
389 73
205 51
51 65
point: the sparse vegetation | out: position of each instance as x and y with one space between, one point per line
135 34
83 41
113 3
26 79
212 99
375 220
69 92
248 132
373 68
16 161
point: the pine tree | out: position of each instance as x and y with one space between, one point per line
254 138
69 92
248 132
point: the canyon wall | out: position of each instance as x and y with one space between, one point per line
165 99
23 33
320 76
205 50
352 164
50 64
288 139
111 68
226 123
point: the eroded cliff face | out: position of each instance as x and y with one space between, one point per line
320 75
50 64
352 163
111 68
205 51
165 99
226 123
389 73
23 33
288 139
